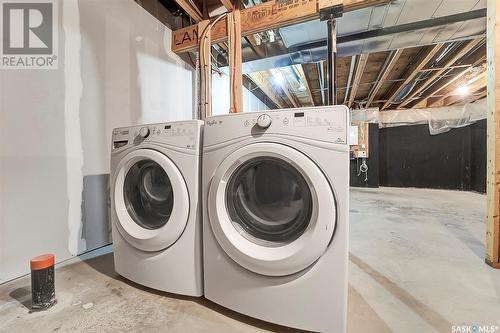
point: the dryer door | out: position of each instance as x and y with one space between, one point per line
151 200
271 209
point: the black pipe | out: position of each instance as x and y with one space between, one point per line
332 62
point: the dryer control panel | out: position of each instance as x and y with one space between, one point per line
327 124
183 134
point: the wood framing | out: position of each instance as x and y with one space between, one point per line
235 72
358 73
383 75
300 73
228 4
474 85
454 79
446 97
195 13
265 16
462 51
261 80
493 136
205 73
411 72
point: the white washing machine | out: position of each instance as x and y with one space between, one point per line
275 233
155 206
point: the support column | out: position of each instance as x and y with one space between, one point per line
332 61
493 136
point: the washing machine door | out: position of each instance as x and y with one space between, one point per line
151 200
271 209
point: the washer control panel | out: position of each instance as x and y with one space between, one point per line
328 123
181 134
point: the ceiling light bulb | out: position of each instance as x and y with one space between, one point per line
463 89
302 87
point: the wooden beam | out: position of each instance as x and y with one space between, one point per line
358 73
262 81
457 77
493 136
301 74
473 85
286 85
412 71
265 16
478 96
461 52
195 13
384 74
235 72
228 4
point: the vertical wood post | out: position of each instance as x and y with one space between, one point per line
493 136
235 72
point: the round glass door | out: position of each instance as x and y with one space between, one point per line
148 194
271 209
151 200
269 201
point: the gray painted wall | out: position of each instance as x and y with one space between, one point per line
115 69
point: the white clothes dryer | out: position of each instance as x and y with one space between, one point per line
275 193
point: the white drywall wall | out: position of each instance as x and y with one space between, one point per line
220 96
115 69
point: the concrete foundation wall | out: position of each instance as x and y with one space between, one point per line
115 69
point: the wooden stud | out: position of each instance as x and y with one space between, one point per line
289 94
383 76
195 13
358 73
228 4
265 16
461 52
235 71
473 85
301 74
454 79
493 136
262 81
205 50
447 84
412 71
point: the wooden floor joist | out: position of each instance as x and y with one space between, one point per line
461 52
265 16
358 73
493 136
412 71
384 74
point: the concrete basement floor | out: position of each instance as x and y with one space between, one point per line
416 265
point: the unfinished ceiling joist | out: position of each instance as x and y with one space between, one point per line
412 71
190 9
265 16
459 76
461 52
386 70
358 73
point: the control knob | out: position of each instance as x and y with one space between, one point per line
144 132
264 121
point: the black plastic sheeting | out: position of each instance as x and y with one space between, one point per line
456 160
